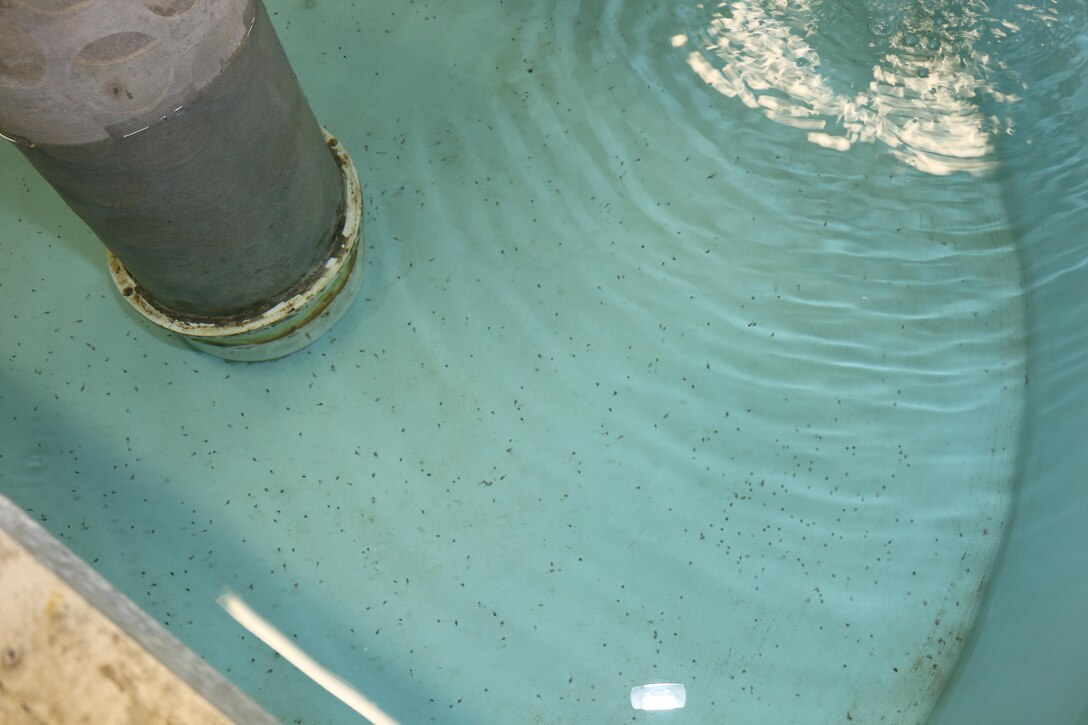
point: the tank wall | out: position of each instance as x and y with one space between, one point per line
1026 661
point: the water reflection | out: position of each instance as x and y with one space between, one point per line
922 98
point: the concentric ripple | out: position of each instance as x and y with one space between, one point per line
684 354
927 67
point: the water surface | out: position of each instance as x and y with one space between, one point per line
691 349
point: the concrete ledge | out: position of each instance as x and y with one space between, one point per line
75 650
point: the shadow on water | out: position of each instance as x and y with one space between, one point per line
162 547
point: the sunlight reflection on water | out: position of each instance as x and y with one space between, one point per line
922 100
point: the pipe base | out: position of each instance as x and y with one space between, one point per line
289 325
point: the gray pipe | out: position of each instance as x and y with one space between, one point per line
177 130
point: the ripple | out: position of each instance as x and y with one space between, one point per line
726 335
641 372
920 101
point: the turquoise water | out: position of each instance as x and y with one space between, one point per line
693 347
1025 661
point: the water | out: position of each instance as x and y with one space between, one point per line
1030 629
691 350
